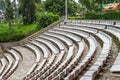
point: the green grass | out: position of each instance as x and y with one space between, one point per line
17 32
24 28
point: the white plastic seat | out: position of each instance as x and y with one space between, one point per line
41 65
10 62
58 42
116 65
53 48
83 28
36 51
4 63
66 40
70 35
43 48
14 53
75 31
65 62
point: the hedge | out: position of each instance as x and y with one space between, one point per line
17 33
111 15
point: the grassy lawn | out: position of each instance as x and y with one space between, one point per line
24 28
16 33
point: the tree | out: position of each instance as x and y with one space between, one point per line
27 10
89 4
58 6
2 5
15 8
39 6
38 1
72 7
55 6
9 13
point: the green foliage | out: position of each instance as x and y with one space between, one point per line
39 15
111 15
17 33
11 36
93 15
73 7
55 6
58 7
27 10
2 5
95 5
39 7
9 11
46 19
9 14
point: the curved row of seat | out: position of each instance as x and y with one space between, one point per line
9 62
64 52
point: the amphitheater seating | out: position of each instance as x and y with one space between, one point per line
58 42
114 31
116 66
36 51
75 59
10 62
14 54
85 61
11 67
117 24
3 62
63 38
66 62
49 63
69 51
72 36
73 62
54 49
43 48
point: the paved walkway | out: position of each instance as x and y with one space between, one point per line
24 65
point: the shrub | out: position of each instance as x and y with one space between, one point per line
10 36
17 33
111 15
93 15
46 19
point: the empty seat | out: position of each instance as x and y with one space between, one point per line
15 54
114 31
64 63
116 65
53 48
85 61
46 52
74 61
4 63
9 66
57 41
63 38
75 31
36 51
67 34
71 36
83 28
